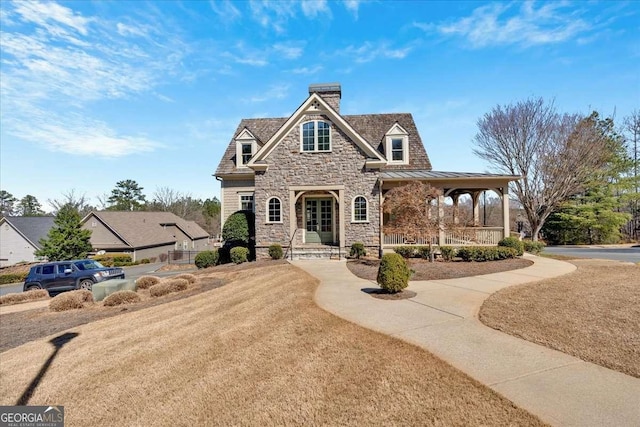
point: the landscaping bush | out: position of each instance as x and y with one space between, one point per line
239 254
533 247
405 251
275 251
188 277
486 253
72 300
35 295
448 253
163 257
207 259
423 252
393 273
121 297
145 282
145 261
114 260
168 286
357 250
12 278
512 242
239 228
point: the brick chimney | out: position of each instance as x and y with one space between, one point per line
330 92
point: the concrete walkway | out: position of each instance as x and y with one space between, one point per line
561 389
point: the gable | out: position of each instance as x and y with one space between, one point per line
316 106
31 228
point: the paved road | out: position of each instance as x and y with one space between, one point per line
130 273
616 254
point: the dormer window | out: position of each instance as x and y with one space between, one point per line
316 136
245 148
397 145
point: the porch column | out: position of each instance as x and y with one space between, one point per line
505 210
343 217
292 214
476 211
456 216
441 238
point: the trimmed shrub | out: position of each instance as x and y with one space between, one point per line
533 247
12 278
357 250
239 254
239 228
486 253
405 251
424 252
38 294
121 297
275 251
393 273
512 242
448 253
145 261
72 300
188 277
114 260
207 259
145 282
168 286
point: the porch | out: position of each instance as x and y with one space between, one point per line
485 236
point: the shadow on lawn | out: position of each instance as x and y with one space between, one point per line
57 342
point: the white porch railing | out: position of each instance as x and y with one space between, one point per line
464 237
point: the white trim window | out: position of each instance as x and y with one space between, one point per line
397 145
315 136
274 210
245 148
360 211
246 202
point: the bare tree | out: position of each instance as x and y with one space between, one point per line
77 201
554 153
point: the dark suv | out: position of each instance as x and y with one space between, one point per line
67 275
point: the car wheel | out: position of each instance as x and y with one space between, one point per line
33 288
86 284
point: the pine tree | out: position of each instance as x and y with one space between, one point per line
66 239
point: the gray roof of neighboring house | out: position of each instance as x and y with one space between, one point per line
431 174
372 127
144 229
33 228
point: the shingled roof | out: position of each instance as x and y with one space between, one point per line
144 229
32 228
372 127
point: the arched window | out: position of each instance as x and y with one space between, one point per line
274 210
360 209
316 136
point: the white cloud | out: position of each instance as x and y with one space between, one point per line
289 50
274 14
278 91
312 8
369 51
57 63
495 24
225 9
307 70
352 6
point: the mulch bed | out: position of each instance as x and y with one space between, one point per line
425 270
382 294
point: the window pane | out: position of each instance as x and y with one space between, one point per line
274 210
396 150
246 153
308 143
323 137
246 203
360 209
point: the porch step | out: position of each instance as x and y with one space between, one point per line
320 252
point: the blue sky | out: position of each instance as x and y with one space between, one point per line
97 92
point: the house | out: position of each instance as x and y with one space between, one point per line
20 238
317 179
144 234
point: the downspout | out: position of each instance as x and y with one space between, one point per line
221 202
380 219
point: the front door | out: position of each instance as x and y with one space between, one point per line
319 221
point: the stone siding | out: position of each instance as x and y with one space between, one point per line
343 166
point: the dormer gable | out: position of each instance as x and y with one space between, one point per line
246 147
396 145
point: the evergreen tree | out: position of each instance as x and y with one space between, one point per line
66 239
29 206
127 196
6 203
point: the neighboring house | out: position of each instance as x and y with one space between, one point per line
20 237
317 178
144 234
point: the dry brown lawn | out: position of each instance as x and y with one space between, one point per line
425 270
257 351
592 313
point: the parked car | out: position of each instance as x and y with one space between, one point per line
68 275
